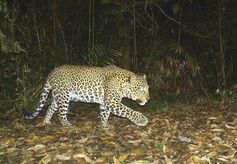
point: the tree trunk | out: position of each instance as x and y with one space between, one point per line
221 48
54 24
12 27
135 60
125 49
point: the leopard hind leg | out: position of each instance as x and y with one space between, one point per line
63 100
53 108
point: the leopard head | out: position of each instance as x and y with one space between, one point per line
138 89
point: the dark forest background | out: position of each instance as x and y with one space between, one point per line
187 48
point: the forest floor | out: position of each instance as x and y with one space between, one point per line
197 133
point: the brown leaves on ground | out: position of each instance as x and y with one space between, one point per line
204 133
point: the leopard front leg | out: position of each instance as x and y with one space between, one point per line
123 111
104 115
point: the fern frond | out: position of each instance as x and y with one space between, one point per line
102 55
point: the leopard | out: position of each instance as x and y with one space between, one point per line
106 86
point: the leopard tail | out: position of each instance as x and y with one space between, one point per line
43 99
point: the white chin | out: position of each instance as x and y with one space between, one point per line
142 103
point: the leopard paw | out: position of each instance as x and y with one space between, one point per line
141 120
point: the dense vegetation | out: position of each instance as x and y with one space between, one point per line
187 48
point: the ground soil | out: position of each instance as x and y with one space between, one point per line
181 133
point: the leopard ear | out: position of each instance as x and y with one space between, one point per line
144 76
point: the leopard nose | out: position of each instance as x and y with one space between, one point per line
148 97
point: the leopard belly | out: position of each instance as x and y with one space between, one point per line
88 96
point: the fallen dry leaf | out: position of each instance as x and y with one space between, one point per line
223 159
47 138
212 118
116 161
64 157
123 157
140 162
7 142
184 139
84 156
64 146
167 160
38 147
193 147
138 152
217 130
45 160
168 124
230 127
32 138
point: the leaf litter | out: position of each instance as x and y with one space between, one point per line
198 133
